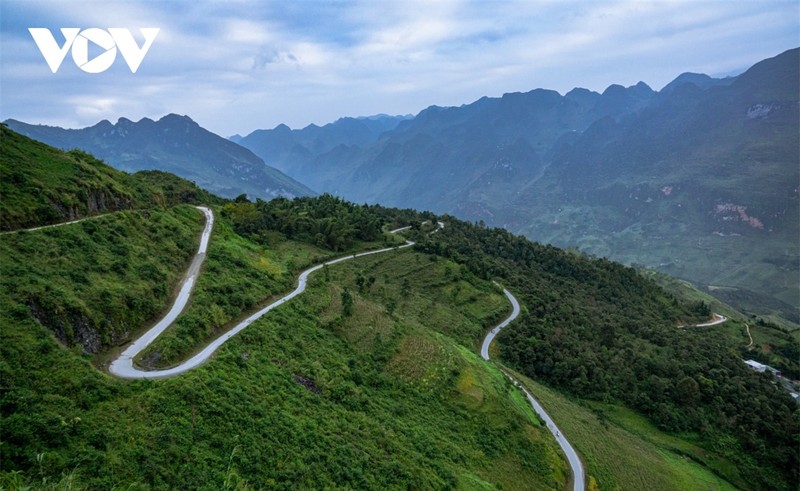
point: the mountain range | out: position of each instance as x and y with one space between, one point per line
284 146
174 144
699 180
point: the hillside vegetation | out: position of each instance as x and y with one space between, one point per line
601 331
40 185
371 378
306 397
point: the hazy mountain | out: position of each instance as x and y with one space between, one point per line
702 184
281 147
699 179
701 80
175 144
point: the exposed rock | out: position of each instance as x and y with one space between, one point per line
307 383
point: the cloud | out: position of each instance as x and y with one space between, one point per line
238 66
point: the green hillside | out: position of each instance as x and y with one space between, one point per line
603 332
308 397
371 378
40 185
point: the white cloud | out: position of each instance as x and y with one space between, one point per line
237 66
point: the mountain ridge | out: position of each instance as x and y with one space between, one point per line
587 170
176 144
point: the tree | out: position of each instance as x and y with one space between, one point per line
347 303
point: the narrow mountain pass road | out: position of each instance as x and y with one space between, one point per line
123 366
61 224
572 457
715 320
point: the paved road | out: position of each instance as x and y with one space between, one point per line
716 319
572 456
123 366
60 224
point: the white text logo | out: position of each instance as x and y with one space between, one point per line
109 41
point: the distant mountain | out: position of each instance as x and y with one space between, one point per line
174 144
699 179
701 80
702 184
281 146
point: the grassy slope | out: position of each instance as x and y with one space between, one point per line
95 282
59 186
621 450
294 401
323 401
418 370
41 185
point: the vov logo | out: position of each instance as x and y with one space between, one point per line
112 40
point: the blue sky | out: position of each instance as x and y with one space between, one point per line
241 65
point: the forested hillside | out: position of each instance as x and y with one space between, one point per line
371 378
325 392
601 331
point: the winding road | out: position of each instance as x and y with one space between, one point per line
572 457
124 367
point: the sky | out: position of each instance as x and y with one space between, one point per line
242 65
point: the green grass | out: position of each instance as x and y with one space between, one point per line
60 186
41 185
238 278
622 450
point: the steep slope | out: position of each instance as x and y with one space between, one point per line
174 144
314 396
702 184
606 334
40 185
378 358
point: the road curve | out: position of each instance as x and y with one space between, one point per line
123 366
715 319
572 457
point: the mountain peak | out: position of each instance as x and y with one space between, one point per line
177 119
103 125
179 145
614 90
